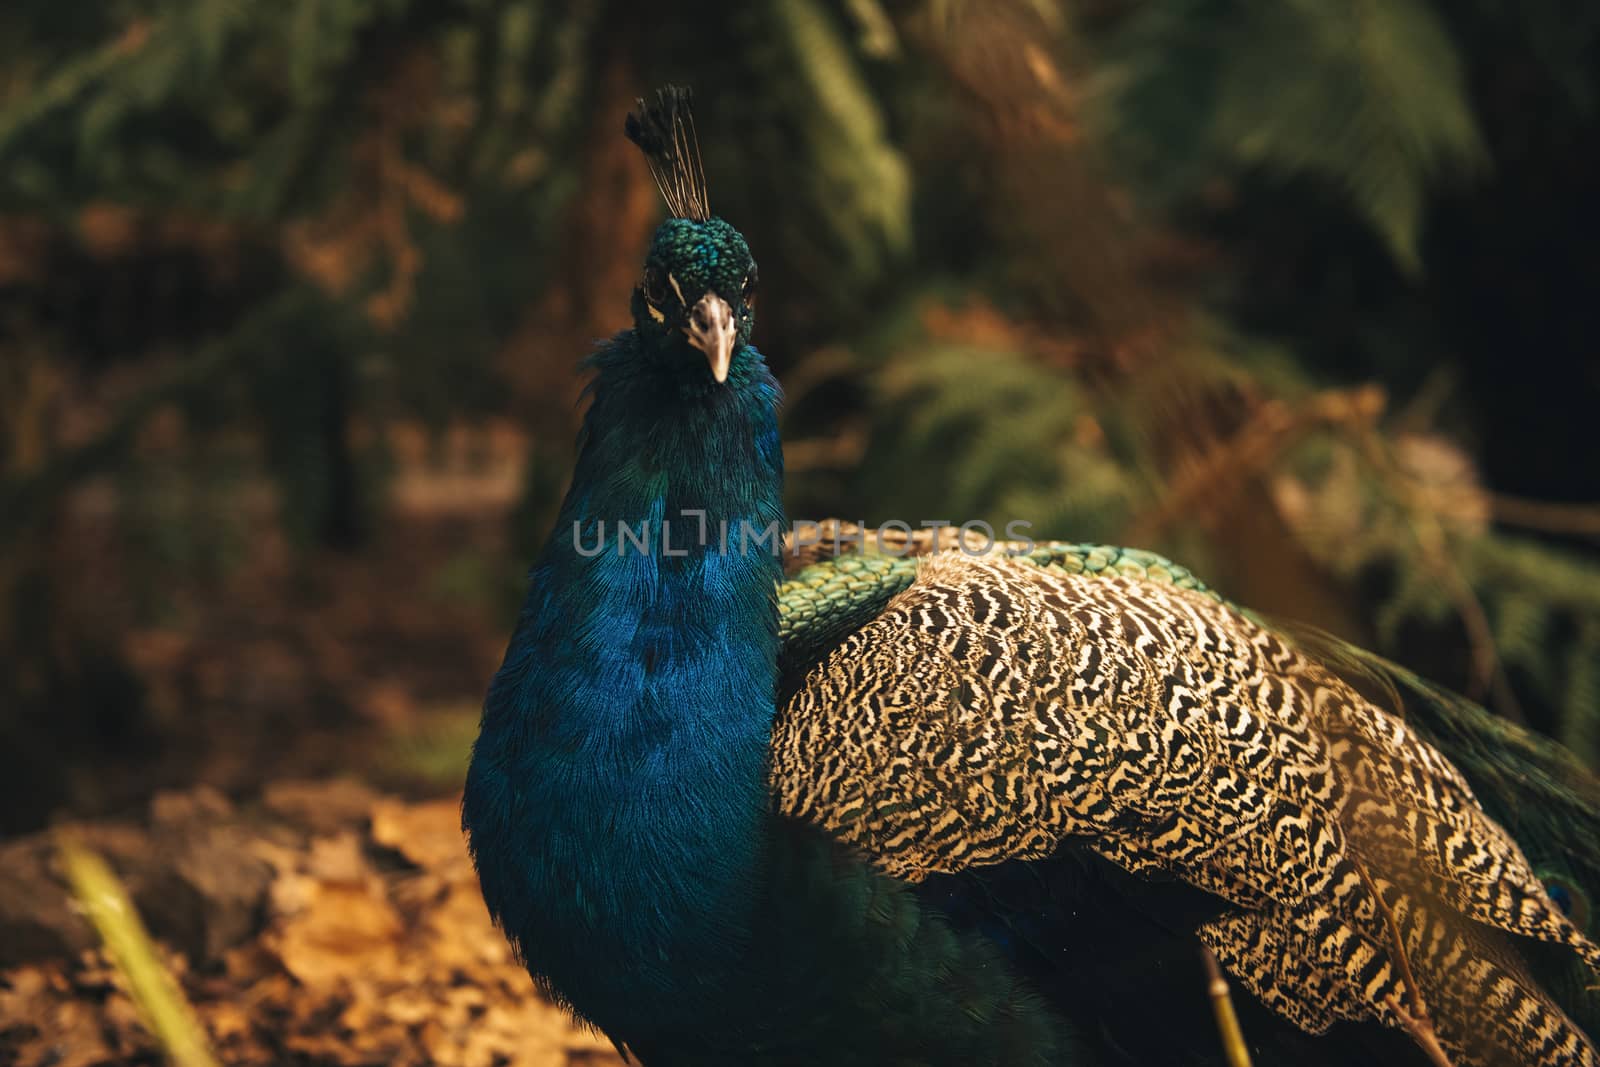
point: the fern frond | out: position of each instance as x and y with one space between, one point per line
1369 95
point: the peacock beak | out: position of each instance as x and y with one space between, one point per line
711 330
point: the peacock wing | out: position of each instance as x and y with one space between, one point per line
997 708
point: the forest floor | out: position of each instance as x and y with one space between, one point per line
325 923
283 808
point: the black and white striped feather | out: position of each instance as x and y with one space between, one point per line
999 710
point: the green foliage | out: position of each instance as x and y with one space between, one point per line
1046 461
333 116
224 105
1540 605
361 196
845 135
1369 96
817 139
1544 610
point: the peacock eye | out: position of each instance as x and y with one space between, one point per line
750 288
655 285
1570 899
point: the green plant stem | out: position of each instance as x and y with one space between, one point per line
155 992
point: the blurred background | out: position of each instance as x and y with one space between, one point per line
292 298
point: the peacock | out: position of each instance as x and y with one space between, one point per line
879 797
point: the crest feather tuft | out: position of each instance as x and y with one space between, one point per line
664 130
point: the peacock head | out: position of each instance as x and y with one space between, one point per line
699 289
699 285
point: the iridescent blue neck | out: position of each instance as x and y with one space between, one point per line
617 794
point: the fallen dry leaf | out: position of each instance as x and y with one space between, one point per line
372 947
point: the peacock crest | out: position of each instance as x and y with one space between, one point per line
664 130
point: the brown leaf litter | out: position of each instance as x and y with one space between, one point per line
325 925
